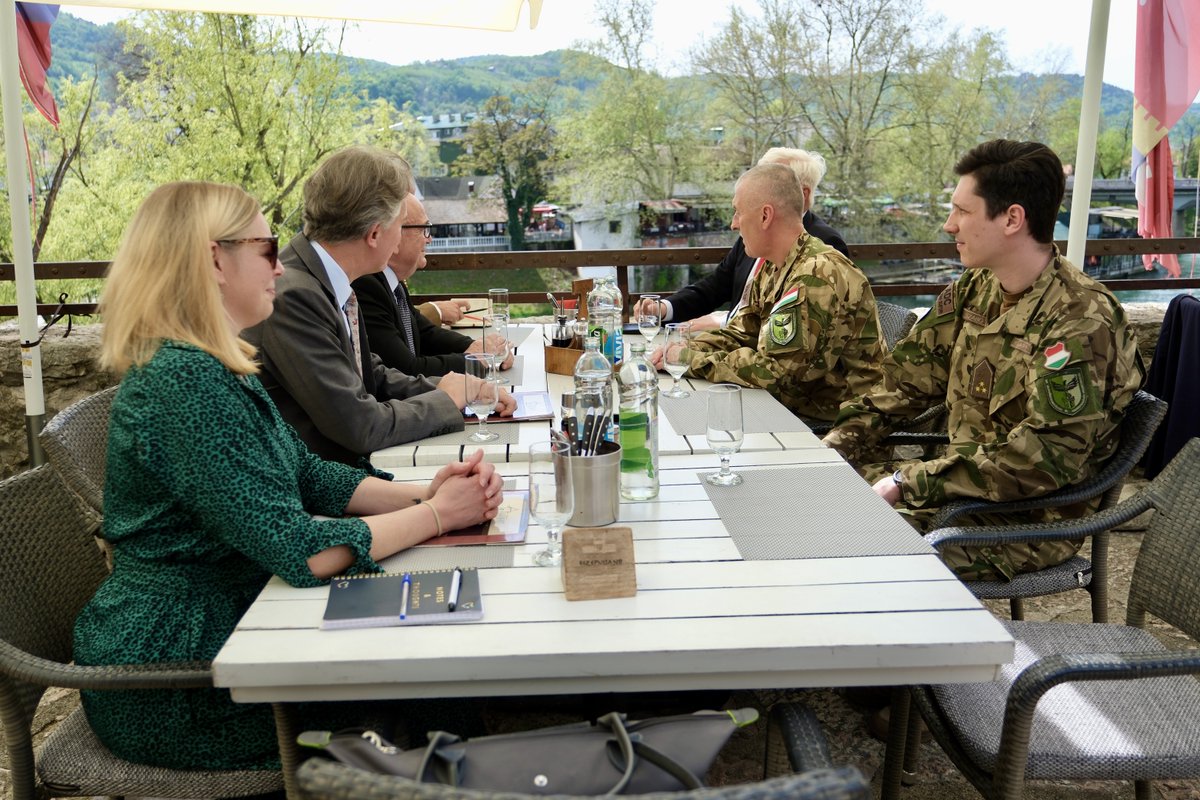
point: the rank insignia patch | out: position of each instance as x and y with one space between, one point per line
982 377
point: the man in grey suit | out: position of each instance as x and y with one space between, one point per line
317 363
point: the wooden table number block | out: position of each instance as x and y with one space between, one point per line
598 563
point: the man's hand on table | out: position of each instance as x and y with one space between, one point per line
490 343
452 311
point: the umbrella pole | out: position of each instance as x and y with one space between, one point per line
18 203
1089 123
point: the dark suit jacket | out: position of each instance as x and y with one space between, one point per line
438 350
308 369
726 282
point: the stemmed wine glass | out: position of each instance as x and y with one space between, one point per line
673 360
495 332
648 322
498 301
724 434
483 390
551 494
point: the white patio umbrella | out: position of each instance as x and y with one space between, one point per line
500 15
1089 125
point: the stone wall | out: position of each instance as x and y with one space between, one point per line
70 372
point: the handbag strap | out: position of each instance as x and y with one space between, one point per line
668 765
631 747
436 740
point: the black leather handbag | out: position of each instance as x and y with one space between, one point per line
611 756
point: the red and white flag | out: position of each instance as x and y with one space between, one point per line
1166 78
33 51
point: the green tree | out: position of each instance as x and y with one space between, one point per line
513 139
948 97
752 64
247 100
637 136
852 56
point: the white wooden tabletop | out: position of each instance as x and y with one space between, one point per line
703 617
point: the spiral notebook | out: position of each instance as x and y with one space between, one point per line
379 599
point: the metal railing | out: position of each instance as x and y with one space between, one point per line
573 259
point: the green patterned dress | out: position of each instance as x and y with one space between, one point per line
208 494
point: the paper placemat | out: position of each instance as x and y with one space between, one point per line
761 413
803 512
517 334
483 555
509 434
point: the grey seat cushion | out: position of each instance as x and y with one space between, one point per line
74 759
1092 729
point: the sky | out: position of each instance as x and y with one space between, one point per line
1041 35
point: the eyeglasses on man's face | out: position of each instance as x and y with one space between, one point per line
425 229
272 253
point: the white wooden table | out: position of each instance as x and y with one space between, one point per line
703 617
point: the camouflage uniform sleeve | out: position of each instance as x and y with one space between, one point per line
915 375
1072 407
771 343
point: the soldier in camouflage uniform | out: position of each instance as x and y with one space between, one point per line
1035 361
808 332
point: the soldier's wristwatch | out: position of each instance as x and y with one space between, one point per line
898 479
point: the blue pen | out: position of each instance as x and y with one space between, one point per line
407 584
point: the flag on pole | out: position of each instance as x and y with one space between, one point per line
33 51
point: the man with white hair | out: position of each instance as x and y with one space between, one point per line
727 283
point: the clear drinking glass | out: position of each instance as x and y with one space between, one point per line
648 323
483 390
551 495
495 331
673 361
724 434
498 301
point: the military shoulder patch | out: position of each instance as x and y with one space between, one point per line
1066 390
945 301
783 327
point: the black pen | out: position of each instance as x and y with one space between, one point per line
455 585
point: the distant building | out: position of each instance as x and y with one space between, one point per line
447 127
466 212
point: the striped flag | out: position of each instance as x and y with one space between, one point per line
1166 79
33 51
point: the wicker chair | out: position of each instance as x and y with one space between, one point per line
1142 417
76 443
320 779
51 566
894 322
1131 708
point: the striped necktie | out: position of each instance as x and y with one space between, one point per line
351 309
405 312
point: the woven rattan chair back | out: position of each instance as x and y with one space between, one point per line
1166 581
325 780
50 567
76 443
894 322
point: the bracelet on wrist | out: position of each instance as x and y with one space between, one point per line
437 518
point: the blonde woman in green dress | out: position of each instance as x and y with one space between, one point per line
208 492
